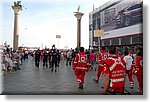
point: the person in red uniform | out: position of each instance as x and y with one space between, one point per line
102 56
81 66
114 72
138 69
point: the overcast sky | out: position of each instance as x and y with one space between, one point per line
44 19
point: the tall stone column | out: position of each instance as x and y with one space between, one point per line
78 15
17 7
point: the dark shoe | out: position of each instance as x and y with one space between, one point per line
80 86
95 80
131 87
102 87
51 69
55 70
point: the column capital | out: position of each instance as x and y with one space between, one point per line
17 9
78 15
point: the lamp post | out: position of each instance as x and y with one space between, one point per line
78 15
17 7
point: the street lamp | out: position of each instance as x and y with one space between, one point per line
17 7
78 15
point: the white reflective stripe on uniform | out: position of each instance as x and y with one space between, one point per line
79 80
131 84
117 80
81 68
122 64
99 60
113 66
101 64
88 64
75 62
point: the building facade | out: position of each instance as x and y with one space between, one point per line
121 21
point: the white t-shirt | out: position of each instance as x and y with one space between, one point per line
128 59
69 54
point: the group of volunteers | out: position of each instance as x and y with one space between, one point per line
113 66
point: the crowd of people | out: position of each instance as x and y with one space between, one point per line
113 65
12 60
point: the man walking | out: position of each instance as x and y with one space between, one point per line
81 66
114 72
45 58
102 56
37 58
54 60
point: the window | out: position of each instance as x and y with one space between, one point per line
125 40
106 42
115 41
135 7
137 39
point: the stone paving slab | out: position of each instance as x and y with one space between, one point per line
30 80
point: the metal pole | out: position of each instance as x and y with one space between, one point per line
58 42
99 38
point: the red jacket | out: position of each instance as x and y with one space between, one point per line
139 65
102 56
81 62
115 68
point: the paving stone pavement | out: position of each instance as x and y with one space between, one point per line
32 81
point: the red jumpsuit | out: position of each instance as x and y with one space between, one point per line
116 70
80 65
102 56
138 70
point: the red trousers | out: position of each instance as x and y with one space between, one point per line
100 69
139 76
80 76
129 73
